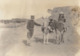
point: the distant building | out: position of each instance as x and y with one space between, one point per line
18 20
6 21
15 20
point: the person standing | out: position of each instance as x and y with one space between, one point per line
61 26
30 26
50 25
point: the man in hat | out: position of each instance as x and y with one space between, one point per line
30 26
61 17
61 26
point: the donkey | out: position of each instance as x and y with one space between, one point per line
60 29
47 29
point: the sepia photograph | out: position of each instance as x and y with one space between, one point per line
39 28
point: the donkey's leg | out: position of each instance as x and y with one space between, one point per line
62 39
44 38
47 39
47 36
55 36
58 37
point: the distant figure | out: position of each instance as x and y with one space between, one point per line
61 27
30 26
61 17
50 26
52 29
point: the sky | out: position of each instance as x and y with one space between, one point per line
25 8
